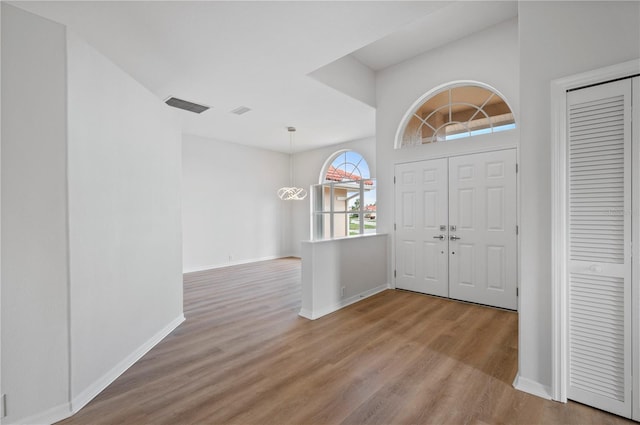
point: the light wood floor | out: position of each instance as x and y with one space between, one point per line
243 356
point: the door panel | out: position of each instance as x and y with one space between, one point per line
475 193
421 208
599 217
483 246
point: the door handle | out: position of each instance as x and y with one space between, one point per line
441 237
454 237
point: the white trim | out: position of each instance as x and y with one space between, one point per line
407 116
559 244
485 149
558 111
98 386
50 416
306 313
333 156
532 387
364 235
316 314
635 237
233 263
329 160
478 149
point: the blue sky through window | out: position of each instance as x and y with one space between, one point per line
353 163
482 131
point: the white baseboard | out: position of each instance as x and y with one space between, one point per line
232 263
307 314
50 416
96 388
316 314
532 387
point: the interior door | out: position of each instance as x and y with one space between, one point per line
421 227
599 240
482 228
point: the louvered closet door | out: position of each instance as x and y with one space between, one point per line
599 310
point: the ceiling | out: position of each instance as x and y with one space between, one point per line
227 54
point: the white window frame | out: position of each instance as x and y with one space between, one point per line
436 90
318 190
317 233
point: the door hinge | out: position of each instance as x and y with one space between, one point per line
517 229
394 179
516 167
394 273
517 292
395 227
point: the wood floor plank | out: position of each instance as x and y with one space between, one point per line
244 356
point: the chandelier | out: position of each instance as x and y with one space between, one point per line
291 193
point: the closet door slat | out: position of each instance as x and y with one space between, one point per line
599 201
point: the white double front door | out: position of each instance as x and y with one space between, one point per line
456 228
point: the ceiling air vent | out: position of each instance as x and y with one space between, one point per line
241 110
186 105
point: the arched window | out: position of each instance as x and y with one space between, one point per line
344 203
456 111
345 165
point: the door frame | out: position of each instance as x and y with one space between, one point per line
464 153
559 227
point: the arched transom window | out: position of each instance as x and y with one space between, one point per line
455 112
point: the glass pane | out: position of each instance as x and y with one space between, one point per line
433 103
474 95
456 129
502 120
348 165
435 120
413 132
464 113
340 225
339 198
369 208
354 224
354 201
326 197
326 226
319 227
317 198
370 224
455 113
496 107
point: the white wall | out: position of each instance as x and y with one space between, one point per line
557 39
34 332
1 392
489 56
231 211
339 272
92 274
351 77
124 216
